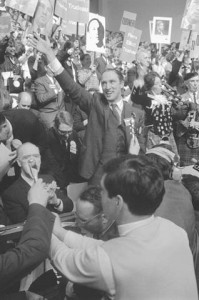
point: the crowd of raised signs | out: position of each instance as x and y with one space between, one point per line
41 123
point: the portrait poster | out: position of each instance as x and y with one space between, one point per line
95 33
5 25
190 19
78 10
128 20
61 9
130 45
43 17
161 33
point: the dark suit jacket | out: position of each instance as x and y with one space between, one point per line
48 100
27 128
32 249
97 108
101 66
63 163
16 203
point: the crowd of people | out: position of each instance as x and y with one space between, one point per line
130 131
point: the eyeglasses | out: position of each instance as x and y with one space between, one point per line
85 222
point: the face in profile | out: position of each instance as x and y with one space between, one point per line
93 31
96 32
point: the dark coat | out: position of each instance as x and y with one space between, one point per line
31 250
16 203
97 108
63 163
27 128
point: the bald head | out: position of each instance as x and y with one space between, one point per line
25 100
26 149
29 160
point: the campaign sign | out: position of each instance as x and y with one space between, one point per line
5 25
78 10
61 9
130 44
128 20
95 33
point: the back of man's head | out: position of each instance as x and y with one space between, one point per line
93 195
137 181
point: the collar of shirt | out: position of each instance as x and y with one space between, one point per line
120 105
127 228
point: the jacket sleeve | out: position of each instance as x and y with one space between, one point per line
44 95
14 209
32 249
77 93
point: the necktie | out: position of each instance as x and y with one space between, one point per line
115 112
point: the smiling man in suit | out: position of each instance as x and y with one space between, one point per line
107 134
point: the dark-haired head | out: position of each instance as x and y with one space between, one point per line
116 71
137 181
149 80
93 195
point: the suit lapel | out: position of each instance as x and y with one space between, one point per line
127 111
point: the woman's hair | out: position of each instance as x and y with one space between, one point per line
149 80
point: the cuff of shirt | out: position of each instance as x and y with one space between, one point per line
56 67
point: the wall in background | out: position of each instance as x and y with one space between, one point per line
145 9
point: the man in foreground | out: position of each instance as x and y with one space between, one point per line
150 259
34 243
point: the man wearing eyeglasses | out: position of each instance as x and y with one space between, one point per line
64 148
150 259
90 217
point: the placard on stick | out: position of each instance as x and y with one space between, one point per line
130 44
128 20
